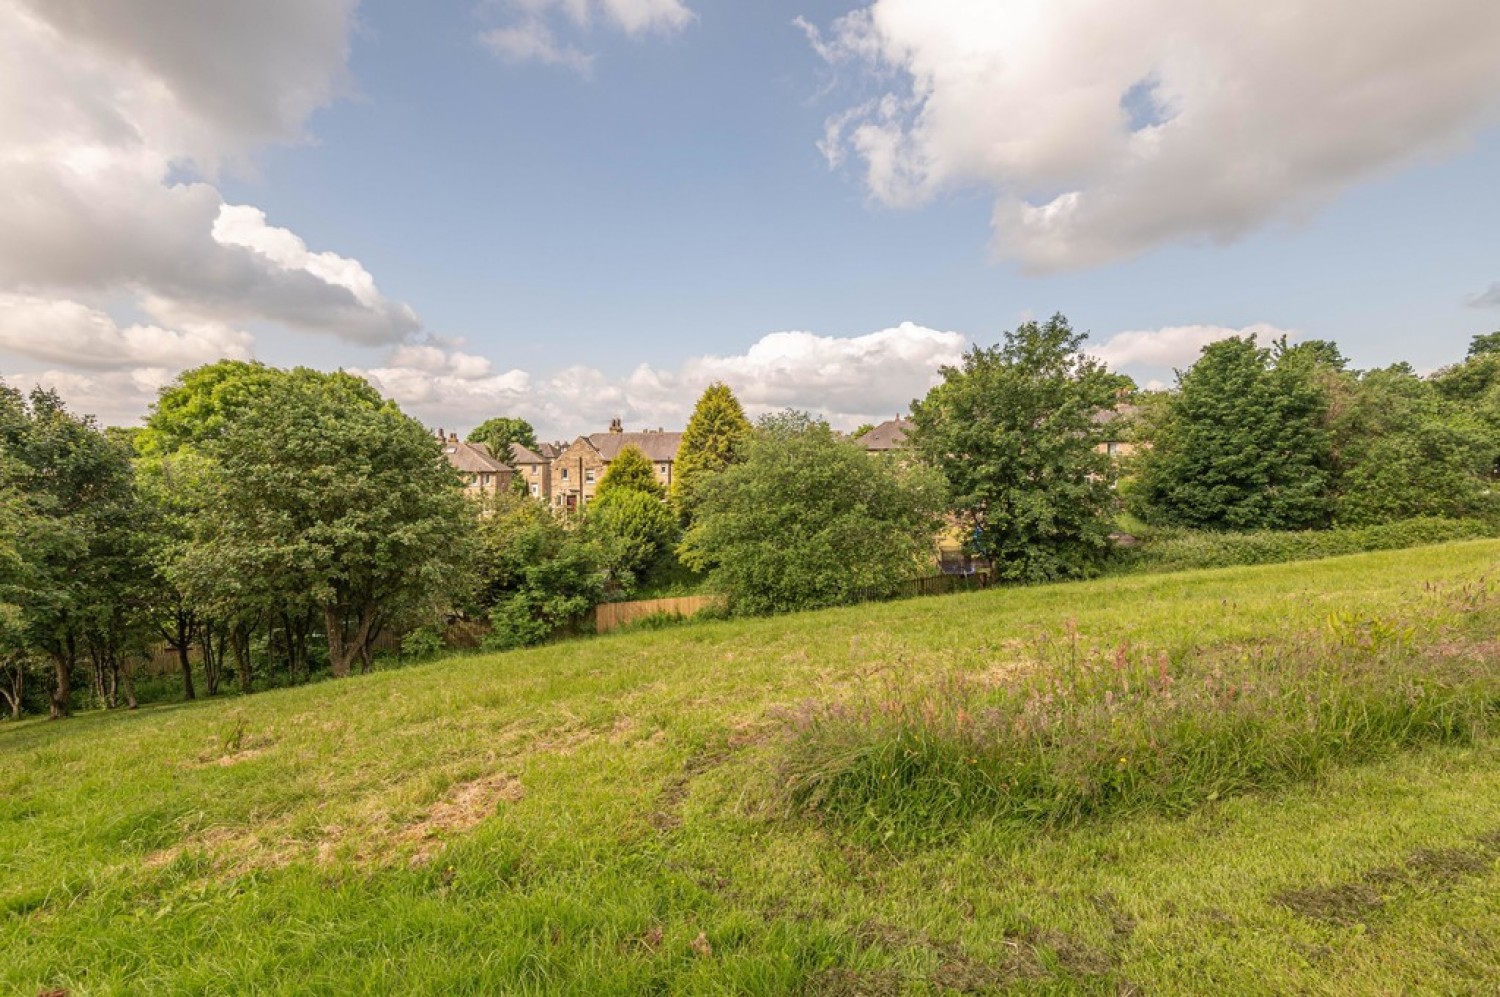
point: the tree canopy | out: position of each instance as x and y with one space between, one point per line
499 433
1014 430
710 443
1243 444
808 519
631 470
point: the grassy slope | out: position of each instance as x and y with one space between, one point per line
568 820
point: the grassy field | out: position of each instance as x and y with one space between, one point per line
610 816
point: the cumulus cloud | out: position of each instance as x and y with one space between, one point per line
847 379
114 120
116 397
531 35
1488 298
1105 129
1175 345
66 332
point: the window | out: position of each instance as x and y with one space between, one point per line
533 470
589 475
661 469
1113 449
565 474
534 489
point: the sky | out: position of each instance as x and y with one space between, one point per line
572 210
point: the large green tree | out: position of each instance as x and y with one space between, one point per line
1402 450
808 519
332 491
500 432
710 443
72 486
1014 429
1244 444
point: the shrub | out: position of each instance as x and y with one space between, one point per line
422 643
1182 550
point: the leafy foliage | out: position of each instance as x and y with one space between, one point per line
500 432
808 519
635 529
710 443
631 470
1243 444
538 574
1013 430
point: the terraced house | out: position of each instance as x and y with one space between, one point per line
481 472
575 473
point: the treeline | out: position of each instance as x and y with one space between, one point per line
271 526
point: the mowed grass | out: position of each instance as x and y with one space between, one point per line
608 816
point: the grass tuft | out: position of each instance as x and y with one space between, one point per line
1080 733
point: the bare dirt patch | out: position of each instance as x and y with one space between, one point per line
465 806
1343 904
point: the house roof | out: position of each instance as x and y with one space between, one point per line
1105 416
471 458
549 451
524 455
887 436
659 446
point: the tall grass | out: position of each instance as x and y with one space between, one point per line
1079 732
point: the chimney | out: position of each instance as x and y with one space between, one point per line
615 426
452 437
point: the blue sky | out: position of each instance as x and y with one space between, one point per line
668 203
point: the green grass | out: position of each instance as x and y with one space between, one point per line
572 819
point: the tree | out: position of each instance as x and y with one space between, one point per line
500 432
636 530
808 519
537 574
631 470
861 430
710 443
1244 444
1485 343
1014 430
73 486
1403 450
331 491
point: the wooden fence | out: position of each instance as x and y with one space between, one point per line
609 615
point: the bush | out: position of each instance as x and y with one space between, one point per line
810 520
1183 550
1091 732
422 643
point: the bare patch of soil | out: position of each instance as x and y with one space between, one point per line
1344 904
465 806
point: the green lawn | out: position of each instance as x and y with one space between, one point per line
602 816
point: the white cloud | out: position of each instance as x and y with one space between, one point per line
1175 346
116 398
848 379
1489 298
103 110
531 36
532 41
66 332
1105 129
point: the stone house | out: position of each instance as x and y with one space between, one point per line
534 468
1117 424
481 472
576 471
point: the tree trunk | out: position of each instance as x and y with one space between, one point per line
15 681
62 686
344 650
239 643
186 664
127 681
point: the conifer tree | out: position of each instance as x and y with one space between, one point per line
712 441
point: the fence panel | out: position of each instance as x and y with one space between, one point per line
611 615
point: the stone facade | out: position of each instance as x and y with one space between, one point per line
576 471
533 467
481 472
